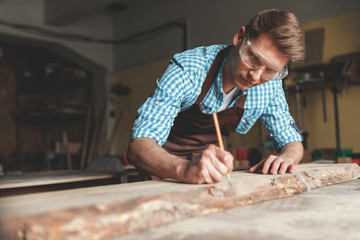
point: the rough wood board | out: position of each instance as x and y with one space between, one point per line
54 177
326 213
135 207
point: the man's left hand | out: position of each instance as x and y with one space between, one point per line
275 165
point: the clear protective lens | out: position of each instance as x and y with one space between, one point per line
253 58
249 58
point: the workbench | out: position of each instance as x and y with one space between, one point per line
302 205
331 213
25 183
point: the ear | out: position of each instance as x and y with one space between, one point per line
239 36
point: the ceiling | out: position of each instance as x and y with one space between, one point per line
62 12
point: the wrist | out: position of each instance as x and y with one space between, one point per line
289 158
292 151
181 169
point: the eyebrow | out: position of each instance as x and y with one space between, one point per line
277 68
262 59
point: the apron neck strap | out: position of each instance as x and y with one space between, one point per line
211 75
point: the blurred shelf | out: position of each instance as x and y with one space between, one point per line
40 117
51 85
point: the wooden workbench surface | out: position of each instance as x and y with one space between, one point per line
18 184
331 213
53 177
114 210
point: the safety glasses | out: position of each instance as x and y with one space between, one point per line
254 59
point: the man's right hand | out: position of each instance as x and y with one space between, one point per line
212 166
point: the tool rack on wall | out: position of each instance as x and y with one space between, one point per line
337 75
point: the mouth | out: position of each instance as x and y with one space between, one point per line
245 81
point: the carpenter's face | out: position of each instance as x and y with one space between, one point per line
256 61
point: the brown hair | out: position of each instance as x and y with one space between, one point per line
285 30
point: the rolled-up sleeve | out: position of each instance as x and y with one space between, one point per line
156 116
278 121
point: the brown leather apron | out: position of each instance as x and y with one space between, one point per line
194 130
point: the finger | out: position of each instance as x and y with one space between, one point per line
219 166
268 162
198 171
215 175
204 174
215 159
257 167
194 172
276 165
292 168
216 169
226 158
284 167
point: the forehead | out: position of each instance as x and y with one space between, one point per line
265 43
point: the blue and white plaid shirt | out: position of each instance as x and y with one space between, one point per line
178 88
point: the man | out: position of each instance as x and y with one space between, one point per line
174 134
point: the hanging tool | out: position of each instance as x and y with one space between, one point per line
323 97
346 72
297 88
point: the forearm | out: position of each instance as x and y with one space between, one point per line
294 151
145 154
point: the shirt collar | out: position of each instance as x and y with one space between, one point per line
218 81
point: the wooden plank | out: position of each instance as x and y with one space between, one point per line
54 177
331 213
103 212
11 185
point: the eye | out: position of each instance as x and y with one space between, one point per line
270 71
255 60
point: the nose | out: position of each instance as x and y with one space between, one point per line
256 74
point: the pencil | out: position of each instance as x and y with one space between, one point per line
219 137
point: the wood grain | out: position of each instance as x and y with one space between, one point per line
103 212
54 177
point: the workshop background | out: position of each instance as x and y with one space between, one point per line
74 73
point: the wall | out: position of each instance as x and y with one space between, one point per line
32 13
342 36
208 21
128 105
